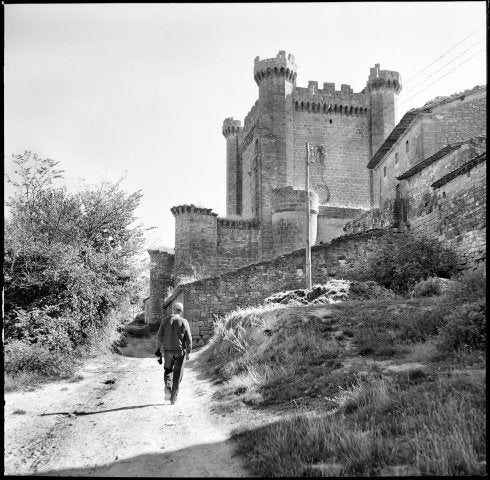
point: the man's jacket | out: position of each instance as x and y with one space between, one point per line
174 334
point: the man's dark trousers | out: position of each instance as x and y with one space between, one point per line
173 361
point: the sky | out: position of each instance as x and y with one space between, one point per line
141 90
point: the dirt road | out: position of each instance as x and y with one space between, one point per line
114 421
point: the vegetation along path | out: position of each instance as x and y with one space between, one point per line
113 421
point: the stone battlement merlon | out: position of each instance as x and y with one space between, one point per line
231 126
281 65
181 209
240 224
330 94
384 78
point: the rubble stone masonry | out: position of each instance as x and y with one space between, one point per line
250 285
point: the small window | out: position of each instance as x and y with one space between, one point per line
384 171
396 158
330 120
406 146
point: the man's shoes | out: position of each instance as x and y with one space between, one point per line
173 400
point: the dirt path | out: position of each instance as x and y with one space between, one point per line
115 422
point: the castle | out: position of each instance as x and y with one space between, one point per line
364 175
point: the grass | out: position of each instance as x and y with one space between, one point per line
344 412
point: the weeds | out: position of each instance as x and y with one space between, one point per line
361 419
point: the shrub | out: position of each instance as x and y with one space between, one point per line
417 325
470 287
22 357
403 261
427 288
465 328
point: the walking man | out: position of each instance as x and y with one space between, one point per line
174 335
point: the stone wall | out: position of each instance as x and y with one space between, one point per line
453 212
289 219
331 221
161 278
238 244
384 217
250 285
341 178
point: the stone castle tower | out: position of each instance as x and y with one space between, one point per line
265 165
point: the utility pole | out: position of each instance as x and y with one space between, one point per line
308 246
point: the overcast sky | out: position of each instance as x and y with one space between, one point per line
142 90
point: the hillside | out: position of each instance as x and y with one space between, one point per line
361 387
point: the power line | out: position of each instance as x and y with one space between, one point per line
442 76
445 53
445 65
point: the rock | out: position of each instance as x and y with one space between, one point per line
406 368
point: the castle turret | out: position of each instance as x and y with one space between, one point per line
231 128
276 78
383 87
161 278
289 219
196 241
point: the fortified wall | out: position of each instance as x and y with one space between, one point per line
424 176
249 286
266 200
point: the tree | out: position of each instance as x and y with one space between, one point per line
69 257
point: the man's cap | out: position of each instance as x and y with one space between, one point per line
178 306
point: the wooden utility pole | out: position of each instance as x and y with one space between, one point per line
308 246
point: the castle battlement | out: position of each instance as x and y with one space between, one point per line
231 126
328 94
183 209
384 78
281 65
240 224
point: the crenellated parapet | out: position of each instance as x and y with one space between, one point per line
240 224
231 127
282 65
182 209
330 101
383 79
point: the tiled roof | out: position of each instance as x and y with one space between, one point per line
396 133
466 167
411 115
438 101
426 162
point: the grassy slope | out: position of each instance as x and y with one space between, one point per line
332 372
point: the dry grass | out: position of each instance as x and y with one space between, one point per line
361 419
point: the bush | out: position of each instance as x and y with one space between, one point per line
470 287
403 261
427 288
22 357
465 328
417 325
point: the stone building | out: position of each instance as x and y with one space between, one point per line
429 176
354 182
